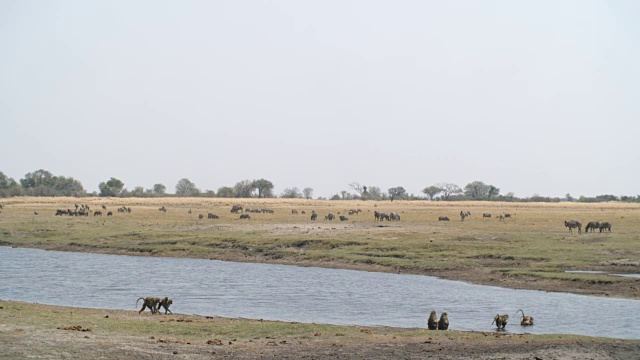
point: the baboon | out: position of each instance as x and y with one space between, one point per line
165 302
343 218
526 320
149 302
245 216
443 218
104 207
432 323
110 213
303 212
314 216
200 216
443 323
500 320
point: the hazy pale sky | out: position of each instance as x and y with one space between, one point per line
532 97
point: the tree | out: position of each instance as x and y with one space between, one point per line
5 181
225 192
449 189
37 178
493 191
375 193
244 189
397 193
67 186
432 191
291 193
476 190
113 187
307 192
159 189
137 191
185 187
264 187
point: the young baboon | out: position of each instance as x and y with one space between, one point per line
500 320
443 323
526 320
432 323
149 302
165 302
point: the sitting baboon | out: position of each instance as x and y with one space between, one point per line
200 216
314 216
165 302
526 320
245 216
443 323
149 302
443 218
343 218
432 323
500 320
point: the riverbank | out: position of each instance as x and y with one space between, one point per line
44 331
530 250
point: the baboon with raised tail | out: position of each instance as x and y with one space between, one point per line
526 320
149 302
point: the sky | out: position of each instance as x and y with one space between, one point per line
537 97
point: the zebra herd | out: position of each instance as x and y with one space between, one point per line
382 216
592 225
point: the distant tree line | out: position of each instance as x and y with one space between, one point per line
44 183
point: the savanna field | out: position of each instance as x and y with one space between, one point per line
531 249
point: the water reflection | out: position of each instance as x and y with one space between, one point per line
289 293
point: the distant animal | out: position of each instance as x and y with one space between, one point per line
432 322
303 212
149 302
464 214
443 323
189 212
507 215
97 213
343 218
573 224
605 226
110 213
245 216
104 207
500 320
443 218
394 217
35 213
314 216
526 320
330 216
236 208
163 209
593 225
376 215
200 216
165 302
486 215
294 212
212 216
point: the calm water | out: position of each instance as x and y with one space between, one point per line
289 293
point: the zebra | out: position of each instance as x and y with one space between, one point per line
593 225
573 224
605 226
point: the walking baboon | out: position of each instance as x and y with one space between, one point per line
443 323
165 302
149 302
500 320
526 320
314 216
432 323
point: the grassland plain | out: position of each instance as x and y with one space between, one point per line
530 250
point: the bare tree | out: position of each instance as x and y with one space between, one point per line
449 189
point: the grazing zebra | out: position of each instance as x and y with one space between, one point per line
376 214
593 225
605 226
330 217
574 224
